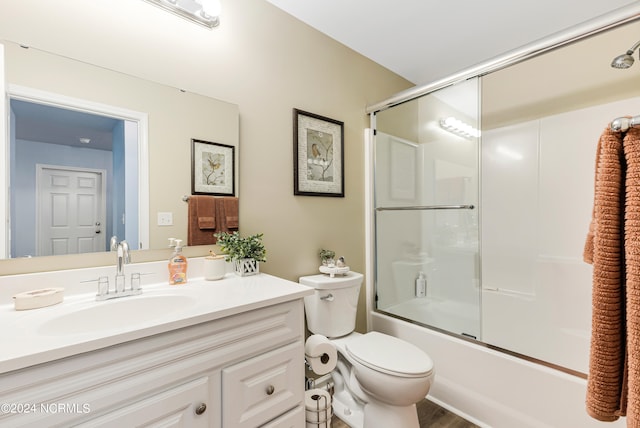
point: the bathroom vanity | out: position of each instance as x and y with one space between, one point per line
227 353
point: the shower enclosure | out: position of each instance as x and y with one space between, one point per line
426 210
497 223
481 236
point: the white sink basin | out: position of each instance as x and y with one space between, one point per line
124 312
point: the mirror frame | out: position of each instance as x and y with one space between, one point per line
56 100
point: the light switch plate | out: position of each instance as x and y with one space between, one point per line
165 219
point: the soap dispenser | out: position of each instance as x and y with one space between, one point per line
421 285
177 263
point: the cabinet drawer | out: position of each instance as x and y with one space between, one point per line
292 419
180 406
257 390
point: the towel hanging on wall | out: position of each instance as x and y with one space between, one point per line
201 220
613 247
230 210
208 215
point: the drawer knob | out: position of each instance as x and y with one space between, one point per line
201 409
270 390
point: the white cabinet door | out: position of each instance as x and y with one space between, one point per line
185 406
262 388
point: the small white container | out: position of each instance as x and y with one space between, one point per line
214 267
38 298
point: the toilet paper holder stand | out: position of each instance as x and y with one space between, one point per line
326 408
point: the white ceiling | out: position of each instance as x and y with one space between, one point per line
426 40
57 125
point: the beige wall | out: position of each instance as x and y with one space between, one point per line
264 61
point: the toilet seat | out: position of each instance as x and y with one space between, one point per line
388 354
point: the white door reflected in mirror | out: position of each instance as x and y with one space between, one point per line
70 210
69 162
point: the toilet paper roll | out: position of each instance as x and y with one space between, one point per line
318 406
321 354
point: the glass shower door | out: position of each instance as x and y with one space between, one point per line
426 210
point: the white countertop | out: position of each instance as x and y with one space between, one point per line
27 340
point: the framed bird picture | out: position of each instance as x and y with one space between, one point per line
212 168
318 160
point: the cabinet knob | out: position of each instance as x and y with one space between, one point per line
201 409
270 389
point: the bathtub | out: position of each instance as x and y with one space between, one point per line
492 388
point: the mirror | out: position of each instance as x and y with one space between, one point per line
76 175
144 175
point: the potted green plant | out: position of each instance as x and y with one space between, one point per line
327 257
244 252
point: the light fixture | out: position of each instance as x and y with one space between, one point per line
203 12
458 127
84 140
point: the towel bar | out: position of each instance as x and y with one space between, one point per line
622 124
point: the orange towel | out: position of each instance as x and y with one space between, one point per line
201 220
613 246
604 248
632 265
230 210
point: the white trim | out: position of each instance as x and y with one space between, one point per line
4 160
369 210
57 100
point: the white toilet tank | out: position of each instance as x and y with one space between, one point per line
331 310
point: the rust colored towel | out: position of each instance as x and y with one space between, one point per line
632 264
202 220
606 387
230 209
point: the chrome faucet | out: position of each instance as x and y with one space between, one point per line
104 290
122 249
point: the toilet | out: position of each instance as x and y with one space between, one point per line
378 378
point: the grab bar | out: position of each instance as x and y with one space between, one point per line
427 207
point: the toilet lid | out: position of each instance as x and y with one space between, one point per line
389 354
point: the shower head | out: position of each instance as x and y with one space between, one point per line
623 61
626 59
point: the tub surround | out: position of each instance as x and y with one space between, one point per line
247 331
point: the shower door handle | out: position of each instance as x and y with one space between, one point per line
427 207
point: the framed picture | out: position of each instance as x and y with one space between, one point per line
212 168
318 163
